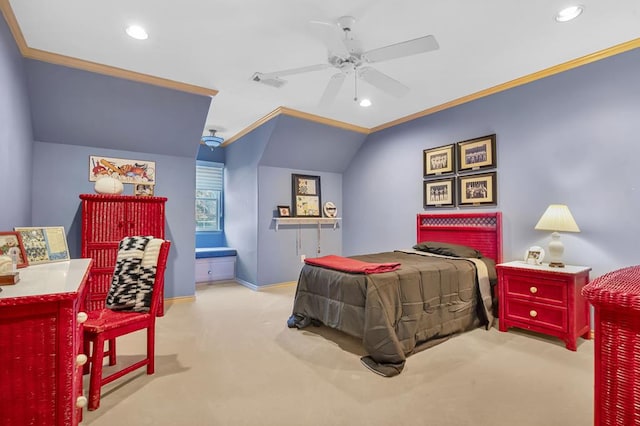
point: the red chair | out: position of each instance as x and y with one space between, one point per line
106 324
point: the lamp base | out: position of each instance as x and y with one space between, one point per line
556 264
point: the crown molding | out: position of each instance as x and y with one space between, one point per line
566 66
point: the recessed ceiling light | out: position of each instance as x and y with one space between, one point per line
137 32
569 13
365 102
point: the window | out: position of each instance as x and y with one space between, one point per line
209 188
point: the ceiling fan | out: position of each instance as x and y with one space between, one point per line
347 54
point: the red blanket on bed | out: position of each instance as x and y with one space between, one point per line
346 264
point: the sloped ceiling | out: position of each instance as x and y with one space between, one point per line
300 144
77 107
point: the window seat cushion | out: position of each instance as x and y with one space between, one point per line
205 252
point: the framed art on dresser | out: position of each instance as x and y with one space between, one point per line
44 244
11 242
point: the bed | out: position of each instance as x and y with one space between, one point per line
422 295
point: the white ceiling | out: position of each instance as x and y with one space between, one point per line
219 44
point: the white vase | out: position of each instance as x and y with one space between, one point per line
109 185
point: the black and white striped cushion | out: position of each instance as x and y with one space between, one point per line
134 275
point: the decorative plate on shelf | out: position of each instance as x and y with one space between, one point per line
330 209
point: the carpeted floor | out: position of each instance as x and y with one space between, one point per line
229 359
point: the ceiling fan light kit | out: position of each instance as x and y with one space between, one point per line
346 53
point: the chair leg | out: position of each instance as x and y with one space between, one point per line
86 349
112 351
151 355
95 381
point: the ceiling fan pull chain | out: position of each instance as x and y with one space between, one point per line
355 79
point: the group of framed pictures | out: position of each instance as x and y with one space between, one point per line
35 245
459 174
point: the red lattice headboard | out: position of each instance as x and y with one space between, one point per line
482 231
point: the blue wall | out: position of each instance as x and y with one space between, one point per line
280 251
259 168
16 140
61 174
571 138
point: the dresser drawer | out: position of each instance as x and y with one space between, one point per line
535 289
536 315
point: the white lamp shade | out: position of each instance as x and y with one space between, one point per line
557 218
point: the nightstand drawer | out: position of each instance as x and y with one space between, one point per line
539 290
524 312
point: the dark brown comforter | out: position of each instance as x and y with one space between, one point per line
394 313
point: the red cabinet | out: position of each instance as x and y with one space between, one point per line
544 299
106 219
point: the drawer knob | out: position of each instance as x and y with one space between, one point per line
209 272
81 359
82 317
533 313
81 401
533 290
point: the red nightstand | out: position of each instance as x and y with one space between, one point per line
544 299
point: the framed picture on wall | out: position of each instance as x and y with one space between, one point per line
477 154
306 199
478 190
438 161
126 171
439 193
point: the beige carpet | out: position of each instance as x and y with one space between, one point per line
229 359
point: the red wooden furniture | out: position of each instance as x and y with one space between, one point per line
482 231
616 300
40 345
106 325
544 299
106 219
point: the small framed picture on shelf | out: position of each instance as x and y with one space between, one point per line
438 161
439 193
284 211
11 245
477 154
44 244
143 190
477 190
306 195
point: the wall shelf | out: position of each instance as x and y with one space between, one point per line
306 221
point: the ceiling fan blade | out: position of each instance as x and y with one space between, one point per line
383 82
332 89
402 49
292 71
332 36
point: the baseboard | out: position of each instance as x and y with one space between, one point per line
264 287
181 299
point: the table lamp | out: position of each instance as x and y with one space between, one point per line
557 218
